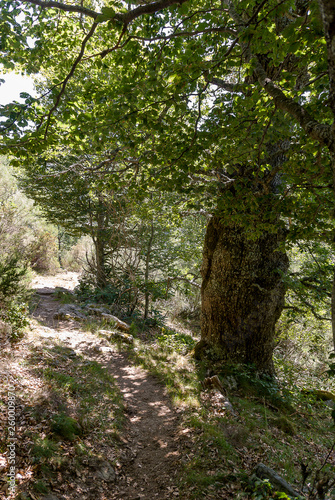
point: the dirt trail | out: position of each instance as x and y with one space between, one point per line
151 458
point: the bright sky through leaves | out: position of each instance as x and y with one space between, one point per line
13 86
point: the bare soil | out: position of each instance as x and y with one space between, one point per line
151 456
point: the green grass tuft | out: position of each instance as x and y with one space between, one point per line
65 427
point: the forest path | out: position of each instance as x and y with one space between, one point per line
151 462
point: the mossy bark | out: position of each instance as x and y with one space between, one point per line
242 294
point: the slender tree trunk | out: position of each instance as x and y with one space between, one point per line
100 243
333 310
242 295
147 269
59 238
100 262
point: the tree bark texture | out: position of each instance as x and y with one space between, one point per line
242 294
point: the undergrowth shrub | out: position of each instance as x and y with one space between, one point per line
74 258
175 341
250 382
13 295
42 252
262 489
16 315
183 306
120 292
65 427
86 291
11 276
43 448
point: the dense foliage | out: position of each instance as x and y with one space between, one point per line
26 242
152 119
228 103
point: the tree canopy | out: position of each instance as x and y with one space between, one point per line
231 103
179 93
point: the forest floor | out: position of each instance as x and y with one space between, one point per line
146 461
92 424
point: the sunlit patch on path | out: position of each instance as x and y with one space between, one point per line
150 460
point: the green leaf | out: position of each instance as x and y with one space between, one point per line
107 13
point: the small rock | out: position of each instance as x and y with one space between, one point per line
106 473
69 311
45 291
229 407
106 349
104 470
118 323
106 334
96 309
71 354
124 337
61 289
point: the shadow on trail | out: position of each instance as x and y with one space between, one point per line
152 427
68 365
45 303
80 396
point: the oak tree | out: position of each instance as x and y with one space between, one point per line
231 103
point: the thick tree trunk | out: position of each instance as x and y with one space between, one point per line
242 294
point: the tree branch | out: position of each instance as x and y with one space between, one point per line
124 18
150 8
317 131
70 74
311 308
181 278
229 87
51 4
